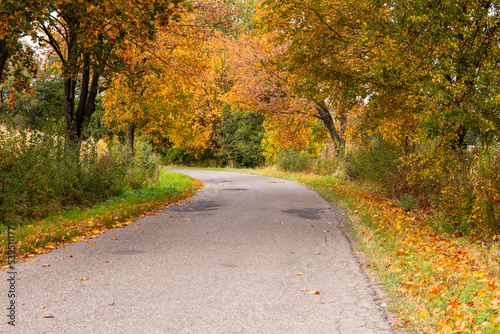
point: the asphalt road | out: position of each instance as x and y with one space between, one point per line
224 261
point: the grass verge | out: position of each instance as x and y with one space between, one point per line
437 283
76 225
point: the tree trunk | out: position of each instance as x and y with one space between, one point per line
325 116
69 112
76 121
129 138
4 55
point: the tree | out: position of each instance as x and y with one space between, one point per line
264 84
177 83
89 37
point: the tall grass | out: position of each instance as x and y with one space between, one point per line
39 177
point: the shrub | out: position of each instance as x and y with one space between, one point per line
38 177
376 163
330 162
485 178
407 202
144 166
290 160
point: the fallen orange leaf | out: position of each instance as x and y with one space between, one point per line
49 316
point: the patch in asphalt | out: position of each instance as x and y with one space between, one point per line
306 213
128 252
198 207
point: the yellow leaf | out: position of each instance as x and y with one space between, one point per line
422 314
341 225
315 292
49 316
45 265
84 279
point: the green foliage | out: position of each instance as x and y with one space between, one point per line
144 165
330 162
407 202
39 177
375 163
240 139
290 160
43 111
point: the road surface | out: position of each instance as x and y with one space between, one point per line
243 256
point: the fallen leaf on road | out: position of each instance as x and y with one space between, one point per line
49 316
42 306
326 230
317 253
311 225
315 292
84 279
298 274
341 225
328 223
45 265
303 289
111 304
342 267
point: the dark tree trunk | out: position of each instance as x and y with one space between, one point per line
77 120
129 138
69 111
4 55
325 116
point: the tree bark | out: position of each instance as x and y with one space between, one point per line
129 138
69 110
77 120
325 116
4 55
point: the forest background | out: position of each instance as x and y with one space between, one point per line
399 97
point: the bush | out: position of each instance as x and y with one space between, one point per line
38 177
329 162
485 178
144 167
376 163
290 160
407 202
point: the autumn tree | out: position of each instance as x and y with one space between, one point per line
184 74
89 37
456 47
16 57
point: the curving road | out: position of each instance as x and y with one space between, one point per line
225 261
